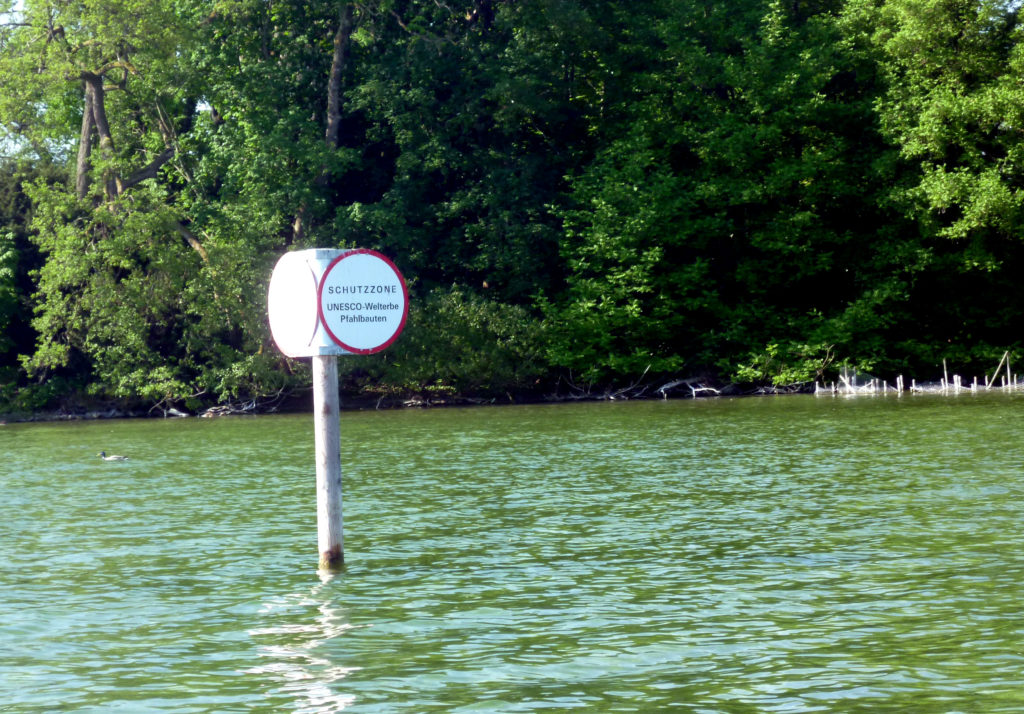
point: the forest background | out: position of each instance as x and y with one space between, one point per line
582 194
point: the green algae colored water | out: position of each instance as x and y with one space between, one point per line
791 554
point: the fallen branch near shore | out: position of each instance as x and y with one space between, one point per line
248 407
694 384
633 391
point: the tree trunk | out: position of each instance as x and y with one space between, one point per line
332 132
342 40
94 119
96 100
84 146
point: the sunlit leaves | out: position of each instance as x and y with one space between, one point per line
954 104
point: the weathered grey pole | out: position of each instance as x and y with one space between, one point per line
327 437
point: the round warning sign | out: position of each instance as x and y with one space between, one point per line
362 301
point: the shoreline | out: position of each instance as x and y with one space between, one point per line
302 403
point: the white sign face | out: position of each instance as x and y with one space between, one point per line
362 301
291 303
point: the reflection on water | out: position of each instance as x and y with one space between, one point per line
292 655
782 554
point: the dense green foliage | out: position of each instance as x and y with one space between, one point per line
758 190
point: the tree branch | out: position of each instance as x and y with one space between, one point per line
122 64
149 171
192 241
434 40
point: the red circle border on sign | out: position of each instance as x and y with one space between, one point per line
320 302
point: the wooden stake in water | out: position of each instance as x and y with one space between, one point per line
327 438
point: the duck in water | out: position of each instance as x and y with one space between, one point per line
112 457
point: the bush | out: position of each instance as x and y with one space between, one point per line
458 342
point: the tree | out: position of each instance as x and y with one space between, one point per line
953 106
458 156
128 292
205 140
716 218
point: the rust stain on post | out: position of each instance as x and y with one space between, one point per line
333 559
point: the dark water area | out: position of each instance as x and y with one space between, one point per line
730 555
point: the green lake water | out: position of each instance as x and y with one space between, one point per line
783 554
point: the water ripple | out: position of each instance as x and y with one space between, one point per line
728 556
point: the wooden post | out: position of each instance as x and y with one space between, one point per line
998 367
327 438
